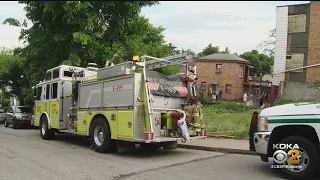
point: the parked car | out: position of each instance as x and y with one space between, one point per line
2 116
18 115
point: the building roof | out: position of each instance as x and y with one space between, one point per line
223 57
294 5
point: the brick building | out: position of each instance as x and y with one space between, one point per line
297 43
227 72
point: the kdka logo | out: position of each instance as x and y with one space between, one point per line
287 156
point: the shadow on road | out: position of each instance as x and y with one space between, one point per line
137 152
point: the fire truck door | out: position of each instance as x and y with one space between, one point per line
46 100
54 106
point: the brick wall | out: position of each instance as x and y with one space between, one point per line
230 74
313 73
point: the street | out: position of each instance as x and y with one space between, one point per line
24 155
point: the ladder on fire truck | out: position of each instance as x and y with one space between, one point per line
168 61
156 63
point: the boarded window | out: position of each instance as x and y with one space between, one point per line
297 23
48 91
228 88
54 94
295 61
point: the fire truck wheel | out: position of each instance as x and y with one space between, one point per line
45 132
100 136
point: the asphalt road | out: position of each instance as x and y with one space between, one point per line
24 155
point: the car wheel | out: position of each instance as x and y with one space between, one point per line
6 124
100 136
308 159
45 132
14 124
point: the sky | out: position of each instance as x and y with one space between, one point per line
240 25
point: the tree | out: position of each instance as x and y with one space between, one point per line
75 33
262 63
11 71
226 51
209 50
269 45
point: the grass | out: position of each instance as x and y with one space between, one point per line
233 120
228 119
281 102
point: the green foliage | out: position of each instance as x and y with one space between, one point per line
228 119
5 103
76 33
282 102
12 71
260 62
269 45
209 50
226 108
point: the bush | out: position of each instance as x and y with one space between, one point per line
226 108
6 103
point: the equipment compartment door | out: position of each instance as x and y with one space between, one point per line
82 122
125 124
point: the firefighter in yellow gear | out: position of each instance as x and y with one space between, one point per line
202 124
188 114
108 63
195 114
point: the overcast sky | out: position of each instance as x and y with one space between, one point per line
190 25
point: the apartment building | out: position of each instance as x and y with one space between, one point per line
297 43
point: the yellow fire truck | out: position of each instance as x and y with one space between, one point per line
127 102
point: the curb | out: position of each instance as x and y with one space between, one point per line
218 149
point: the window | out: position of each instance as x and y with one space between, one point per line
294 61
228 88
218 66
203 85
67 74
48 76
23 109
48 91
297 23
241 70
54 94
39 92
55 74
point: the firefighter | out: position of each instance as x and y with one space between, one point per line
195 113
202 124
188 114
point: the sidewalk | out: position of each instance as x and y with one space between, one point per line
219 145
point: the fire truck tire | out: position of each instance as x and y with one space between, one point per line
100 136
45 132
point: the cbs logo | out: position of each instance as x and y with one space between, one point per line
292 157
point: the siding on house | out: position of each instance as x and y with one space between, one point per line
281 44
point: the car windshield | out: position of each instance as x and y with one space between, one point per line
23 110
